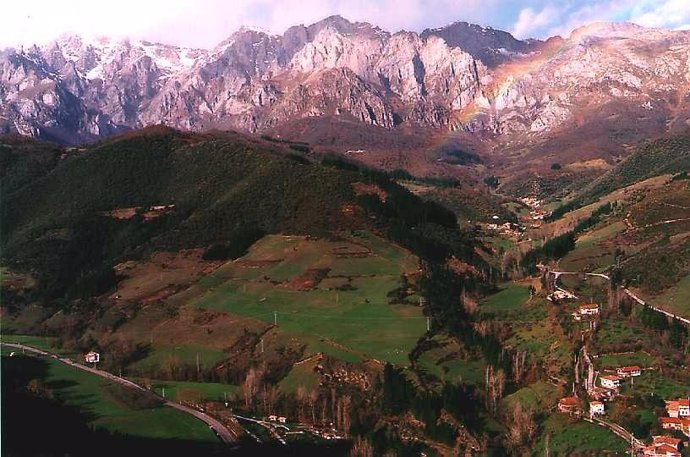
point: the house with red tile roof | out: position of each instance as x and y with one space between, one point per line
665 439
662 450
678 408
569 405
628 372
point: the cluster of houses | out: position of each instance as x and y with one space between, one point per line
610 385
662 446
536 212
678 416
510 229
571 405
612 382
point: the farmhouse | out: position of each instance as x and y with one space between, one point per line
610 381
665 439
588 309
569 405
92 357
661 450
282 419
678 408
675 423
629 372
596 408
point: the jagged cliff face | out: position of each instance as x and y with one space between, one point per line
458 77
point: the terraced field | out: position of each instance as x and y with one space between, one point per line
331 295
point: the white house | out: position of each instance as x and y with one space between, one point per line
588 309
610 381
678 408
629 372
92 357
596 408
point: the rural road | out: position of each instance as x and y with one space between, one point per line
557 274
225 434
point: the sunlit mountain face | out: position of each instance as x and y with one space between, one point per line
458 78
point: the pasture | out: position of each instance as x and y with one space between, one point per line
331 294
100 399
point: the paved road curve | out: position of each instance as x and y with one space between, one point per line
557 274
225 434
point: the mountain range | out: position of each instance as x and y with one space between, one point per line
618 83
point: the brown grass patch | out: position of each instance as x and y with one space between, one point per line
309 280
162 274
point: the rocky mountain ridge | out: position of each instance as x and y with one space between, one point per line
459 77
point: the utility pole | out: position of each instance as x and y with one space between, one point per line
225 396
163 391
275 318
428 323
197 364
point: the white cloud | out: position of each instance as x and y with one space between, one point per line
204 23
662 13
529 22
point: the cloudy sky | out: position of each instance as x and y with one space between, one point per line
204 23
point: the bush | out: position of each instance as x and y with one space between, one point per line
491 181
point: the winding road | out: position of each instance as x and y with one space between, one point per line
225 434
590 379
558 274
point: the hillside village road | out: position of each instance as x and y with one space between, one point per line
225 434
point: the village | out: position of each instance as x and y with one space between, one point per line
593 408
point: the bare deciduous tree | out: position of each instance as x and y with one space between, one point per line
495 384
522 427
361 448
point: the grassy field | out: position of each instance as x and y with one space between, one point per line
511 297
330 294
449 363
588 258
47 343
639 358
182 354
301 375
676 299
91 394
532 323
567 437
614 331
204 391
654 382
538 397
